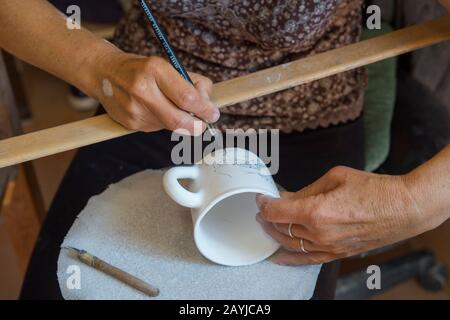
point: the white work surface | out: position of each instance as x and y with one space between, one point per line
136 227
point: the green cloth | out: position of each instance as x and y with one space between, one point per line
379 105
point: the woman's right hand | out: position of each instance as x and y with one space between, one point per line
148 94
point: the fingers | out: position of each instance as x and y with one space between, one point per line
300 207
131 114
142 119
296 259
183 94
202 84
285 210
148 94
171 116
298 231
290 244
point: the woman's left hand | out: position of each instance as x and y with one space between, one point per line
344 213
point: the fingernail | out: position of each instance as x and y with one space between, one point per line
261 200
280 258
215 116
280 263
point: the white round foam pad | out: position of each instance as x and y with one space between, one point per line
136 227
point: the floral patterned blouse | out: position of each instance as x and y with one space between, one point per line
223 39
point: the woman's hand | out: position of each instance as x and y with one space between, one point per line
148 94
345 213
144 94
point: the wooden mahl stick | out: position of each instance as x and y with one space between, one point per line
96 129
114 272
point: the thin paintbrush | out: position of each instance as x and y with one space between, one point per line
168 49
114 272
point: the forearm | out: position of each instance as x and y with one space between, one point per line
429 185
37 33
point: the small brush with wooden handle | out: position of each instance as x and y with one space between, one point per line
114 272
